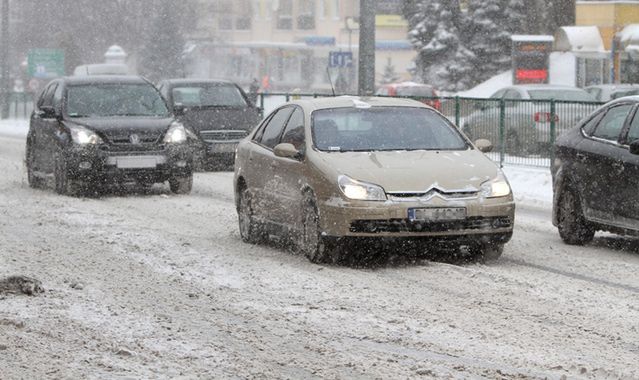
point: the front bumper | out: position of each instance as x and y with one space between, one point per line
484 218
149 164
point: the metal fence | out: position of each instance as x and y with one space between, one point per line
20 106
522 131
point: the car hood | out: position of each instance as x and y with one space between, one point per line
203 119
414 171
121 128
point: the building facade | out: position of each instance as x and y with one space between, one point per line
285 44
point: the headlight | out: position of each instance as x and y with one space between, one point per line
363 191
175 134
83 136
497 187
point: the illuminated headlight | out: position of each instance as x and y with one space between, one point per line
362 191
497 187
83 136
175 134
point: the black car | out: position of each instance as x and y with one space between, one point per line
218 111
596 174
93 131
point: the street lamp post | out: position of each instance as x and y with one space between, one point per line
366 82
4 61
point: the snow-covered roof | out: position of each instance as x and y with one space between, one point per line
579 39
531 38
629 38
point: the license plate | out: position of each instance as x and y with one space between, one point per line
223 148
136 162
437 214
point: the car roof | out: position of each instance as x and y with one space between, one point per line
614 86
104 79
356 101
625 99
187 81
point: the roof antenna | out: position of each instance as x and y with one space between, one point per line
330 80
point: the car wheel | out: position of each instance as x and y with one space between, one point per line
181 185
63 184
573 227
490 251
35 182
513 143
250 229
314 246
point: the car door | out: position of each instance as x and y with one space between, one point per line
40 140
290 173
263 176
484 122
599 157
627 184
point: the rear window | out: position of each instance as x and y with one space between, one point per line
567 95
209 95
383 129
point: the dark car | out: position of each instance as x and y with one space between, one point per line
218 111
92 131
596 174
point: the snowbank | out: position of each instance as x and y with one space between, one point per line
489 87
531 186
14 127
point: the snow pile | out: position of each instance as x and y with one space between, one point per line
489 87
531 186
629 37
14 127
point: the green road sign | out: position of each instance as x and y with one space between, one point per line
46 63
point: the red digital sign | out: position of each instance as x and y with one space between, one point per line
531 76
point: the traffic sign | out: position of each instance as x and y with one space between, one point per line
340 59
45 63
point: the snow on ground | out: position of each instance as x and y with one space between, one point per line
160 286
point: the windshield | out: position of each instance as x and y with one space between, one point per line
108 100
569 95
383 128
209 95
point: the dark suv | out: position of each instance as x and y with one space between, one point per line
596 174
89 132
218 111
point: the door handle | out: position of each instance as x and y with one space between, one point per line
618 166
581 156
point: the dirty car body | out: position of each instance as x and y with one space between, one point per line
218 111
325 170
94 131
596 174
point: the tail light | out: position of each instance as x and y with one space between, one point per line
545 117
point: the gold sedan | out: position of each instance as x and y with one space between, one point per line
322 171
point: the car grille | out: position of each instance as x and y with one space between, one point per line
223 135
405 225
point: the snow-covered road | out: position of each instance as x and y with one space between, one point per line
160 286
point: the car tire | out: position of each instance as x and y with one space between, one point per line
573 227
35 182
63 184
181 185
250 229
313 245
513 143
490 251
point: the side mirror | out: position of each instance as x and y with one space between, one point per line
484 145
286 150
48 112
634 147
